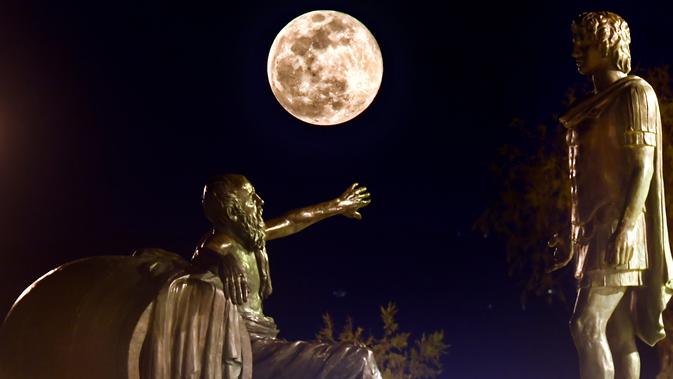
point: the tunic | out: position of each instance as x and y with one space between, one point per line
602 131
600 169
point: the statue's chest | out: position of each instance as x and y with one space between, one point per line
601 133
249 265
598 142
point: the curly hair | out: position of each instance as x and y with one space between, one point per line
219 195
610 32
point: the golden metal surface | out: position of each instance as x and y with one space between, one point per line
618 235
235 250
235 247
153 315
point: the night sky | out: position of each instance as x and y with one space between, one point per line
113 115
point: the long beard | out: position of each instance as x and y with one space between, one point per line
252 228
254 235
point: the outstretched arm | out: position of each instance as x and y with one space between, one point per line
347 204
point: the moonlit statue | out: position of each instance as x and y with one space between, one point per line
154 315
325 67
618 235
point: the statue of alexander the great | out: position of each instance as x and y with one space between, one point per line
618 235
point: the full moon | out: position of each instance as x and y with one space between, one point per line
325 67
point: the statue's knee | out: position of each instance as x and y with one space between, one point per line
586 328
358 354
367 356
623 344
369 367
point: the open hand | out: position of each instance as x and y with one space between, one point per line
353 199
234 280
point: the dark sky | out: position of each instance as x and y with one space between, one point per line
113 115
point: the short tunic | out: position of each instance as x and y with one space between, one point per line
600 151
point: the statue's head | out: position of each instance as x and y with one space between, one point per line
230 202
601 41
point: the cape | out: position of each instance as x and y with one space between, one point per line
650 299
150 316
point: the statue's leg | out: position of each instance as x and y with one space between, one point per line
622 340
593 309
280 359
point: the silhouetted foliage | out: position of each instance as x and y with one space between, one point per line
533 204
396 356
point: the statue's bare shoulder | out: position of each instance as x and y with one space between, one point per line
219 243
212 246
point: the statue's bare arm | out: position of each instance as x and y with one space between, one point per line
620 248
348 204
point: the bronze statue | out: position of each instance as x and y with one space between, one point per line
155 315
235 249
618 234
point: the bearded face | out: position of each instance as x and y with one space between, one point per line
252 233
232 205
251 226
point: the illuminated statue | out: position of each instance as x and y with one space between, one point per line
154 315
235 249
618 235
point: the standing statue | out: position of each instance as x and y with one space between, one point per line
154 315
618 234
